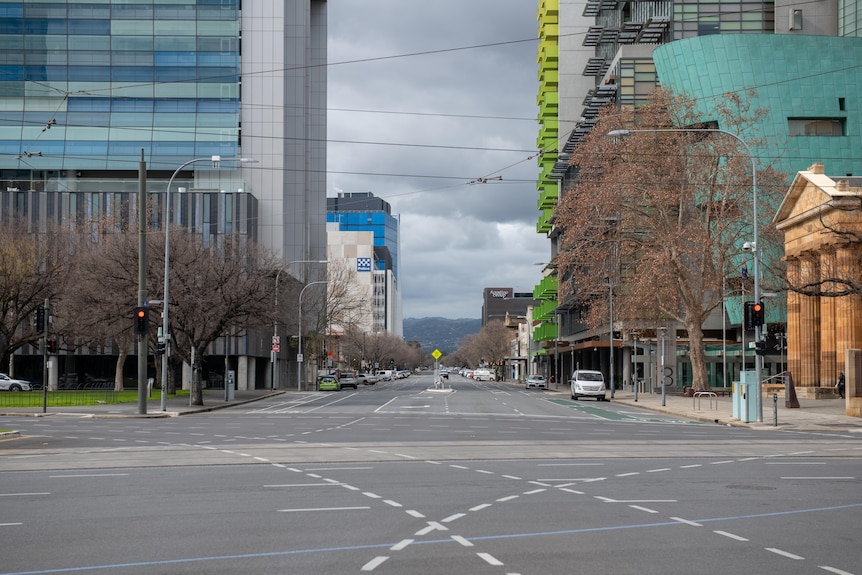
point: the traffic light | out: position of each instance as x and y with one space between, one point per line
40 319
757 313
392 362
760 347
142 323
160 346
52 346
753 314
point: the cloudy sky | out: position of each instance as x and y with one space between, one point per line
425 100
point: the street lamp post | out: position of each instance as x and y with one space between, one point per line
755 247
299 340
216 161
275 341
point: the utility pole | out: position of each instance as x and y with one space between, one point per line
142 282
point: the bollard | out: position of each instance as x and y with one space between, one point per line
775 410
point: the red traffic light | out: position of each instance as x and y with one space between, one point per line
142 323
141 314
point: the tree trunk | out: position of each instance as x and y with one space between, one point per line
197 391
118 370
697 355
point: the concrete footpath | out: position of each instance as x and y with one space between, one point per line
823 415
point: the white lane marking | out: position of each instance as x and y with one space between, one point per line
485 472
534 491
722 462
374 563
462 541
647 509
10 524
337 468
301 485
414 513
509 498
686 521
322 509
575 491
432 526
834 570
817 478
23 494
628 474
731 535
690 466
480 507
452 518
784 553
795 463
566 464
401 545
490 559
512 477
371 495
459 467
392 503
88 475
657 470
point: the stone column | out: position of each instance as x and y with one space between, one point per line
853 385
809 325
794 332
848 309
828 320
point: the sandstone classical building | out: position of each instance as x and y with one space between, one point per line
821 218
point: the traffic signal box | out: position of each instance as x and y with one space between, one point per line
142 322
753 314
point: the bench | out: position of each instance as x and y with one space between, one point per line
770 388
722 390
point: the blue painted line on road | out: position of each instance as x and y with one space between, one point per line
427 542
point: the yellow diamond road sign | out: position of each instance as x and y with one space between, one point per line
436 353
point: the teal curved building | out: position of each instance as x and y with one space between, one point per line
808 85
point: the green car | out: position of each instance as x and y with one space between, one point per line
328 383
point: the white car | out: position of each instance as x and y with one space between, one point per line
9 384
588 383
483 375
537 381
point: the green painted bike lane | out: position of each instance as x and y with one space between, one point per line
611 415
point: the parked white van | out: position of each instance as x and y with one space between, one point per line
588 383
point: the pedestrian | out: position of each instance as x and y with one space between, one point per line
840 385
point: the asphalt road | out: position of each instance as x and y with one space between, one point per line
400 479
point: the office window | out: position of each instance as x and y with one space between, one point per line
816 126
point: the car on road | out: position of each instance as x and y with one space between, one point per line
328 383
11 384
483 375
537 381
587 383
367 378
348 379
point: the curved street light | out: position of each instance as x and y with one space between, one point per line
299 341
754 246
216 161
274 357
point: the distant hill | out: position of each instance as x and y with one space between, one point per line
439 332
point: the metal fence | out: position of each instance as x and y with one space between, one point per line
66 397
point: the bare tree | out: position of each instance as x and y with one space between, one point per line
659 217
33 268
490 346
215 289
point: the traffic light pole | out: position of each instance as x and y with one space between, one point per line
142 282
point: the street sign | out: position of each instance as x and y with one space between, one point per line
436 354
276 339
276 348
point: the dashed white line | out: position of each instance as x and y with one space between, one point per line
534 491
512 477
432 526
731 535
371 495
834 570
686 521
575 491
401 544
647 509
392 503
490 559
322 509
480 507
452 518
628 474
462 541
690 466
658 470
374 563
784 553
414 513
509 498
